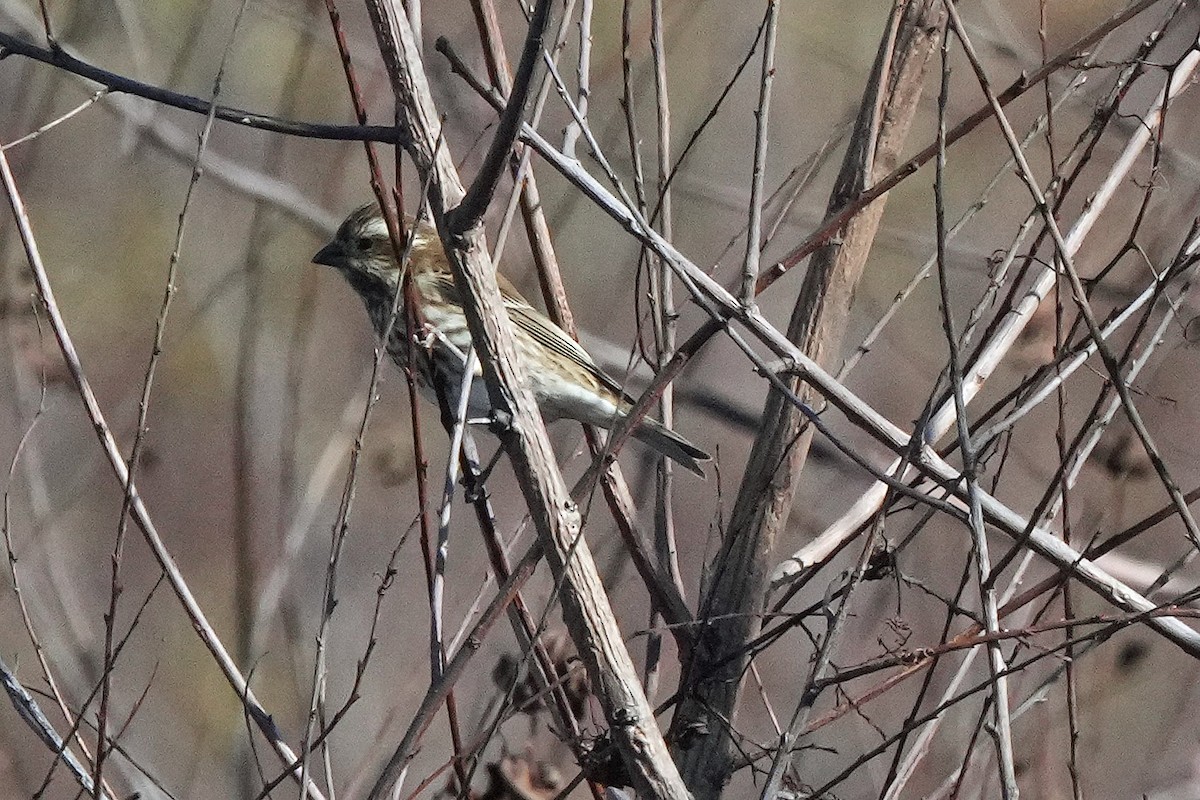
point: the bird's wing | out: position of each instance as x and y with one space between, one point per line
541 329
555 339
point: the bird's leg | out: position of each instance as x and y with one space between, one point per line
498 421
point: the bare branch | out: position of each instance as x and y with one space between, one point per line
138 509
555 516
60 58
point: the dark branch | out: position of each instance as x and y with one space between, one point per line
475 202
58 57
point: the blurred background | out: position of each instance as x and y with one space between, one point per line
267 358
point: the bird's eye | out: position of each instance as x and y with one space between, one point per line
363 243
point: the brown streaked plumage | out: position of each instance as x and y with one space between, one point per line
565 380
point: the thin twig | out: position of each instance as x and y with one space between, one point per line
156 351
762 118
138 509
583 73
438 590
979 542
1178 80
54 123
662 298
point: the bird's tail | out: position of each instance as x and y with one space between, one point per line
672 445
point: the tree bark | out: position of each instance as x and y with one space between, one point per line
703 733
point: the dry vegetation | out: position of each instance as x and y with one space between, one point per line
920 278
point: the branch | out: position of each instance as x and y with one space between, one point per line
140 514
556 517
57 57
470 210
838 218
765 497
724 309
28 710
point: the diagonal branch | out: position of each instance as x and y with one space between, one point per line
468 213
556 517
60 58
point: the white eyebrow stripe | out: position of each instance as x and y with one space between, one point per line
375 227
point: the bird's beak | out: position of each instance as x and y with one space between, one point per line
330 255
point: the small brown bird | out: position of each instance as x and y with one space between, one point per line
565 380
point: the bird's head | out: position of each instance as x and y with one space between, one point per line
361 247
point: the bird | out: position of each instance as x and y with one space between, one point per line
564 378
